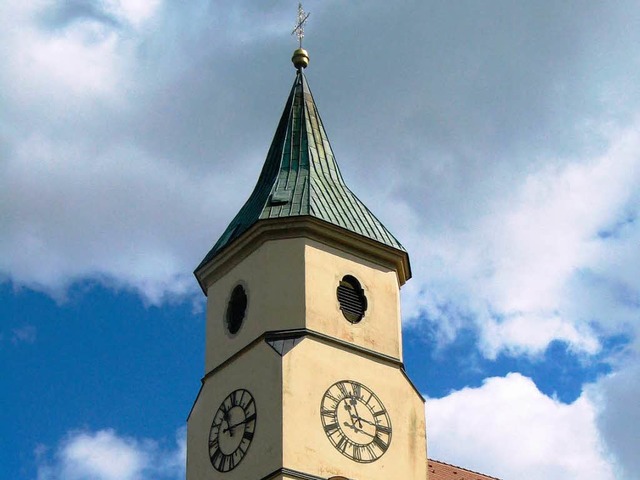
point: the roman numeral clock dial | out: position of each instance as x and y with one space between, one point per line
355 421
232 430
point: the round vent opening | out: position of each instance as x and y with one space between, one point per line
236 309
351 297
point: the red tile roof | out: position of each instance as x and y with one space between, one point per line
444 471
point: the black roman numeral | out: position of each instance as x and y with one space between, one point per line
325 412
244 445
370 451
331 428
357 390
357 453
213 443
343 390
216 457
335 399
380 443
383 429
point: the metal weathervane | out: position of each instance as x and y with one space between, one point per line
299 28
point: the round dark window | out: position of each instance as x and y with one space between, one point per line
236 309
351 297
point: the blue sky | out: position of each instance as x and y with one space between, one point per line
500 142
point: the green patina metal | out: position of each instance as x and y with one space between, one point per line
301 177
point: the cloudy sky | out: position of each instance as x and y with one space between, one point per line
498 140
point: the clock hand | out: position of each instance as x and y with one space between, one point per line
230 427
225 419
357 430
367 421
354 402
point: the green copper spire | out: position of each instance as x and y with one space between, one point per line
301 177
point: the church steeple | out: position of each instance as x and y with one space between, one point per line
301 177
304 377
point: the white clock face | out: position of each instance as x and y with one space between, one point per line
355 421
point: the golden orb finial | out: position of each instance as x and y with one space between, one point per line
300 58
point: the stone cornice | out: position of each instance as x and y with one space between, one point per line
303 227
305 332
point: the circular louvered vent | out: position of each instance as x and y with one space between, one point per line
236 309
351 297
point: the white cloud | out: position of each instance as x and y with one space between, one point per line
509 429
550 231
134 11
126 147
109 213
86 192
104 455
618 416
496 141
520 334
56 66
24 334
514 267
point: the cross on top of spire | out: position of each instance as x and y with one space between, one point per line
299 28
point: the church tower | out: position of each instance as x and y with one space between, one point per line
303 375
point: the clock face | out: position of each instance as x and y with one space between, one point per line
355 421
232 430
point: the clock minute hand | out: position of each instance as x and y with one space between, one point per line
357 430
229 427
360 419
